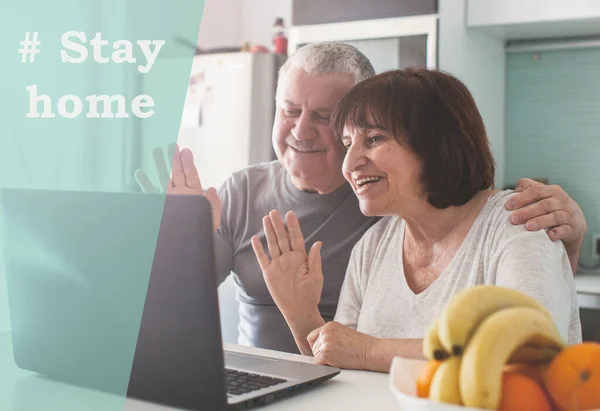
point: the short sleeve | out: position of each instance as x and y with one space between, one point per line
351 295
530 262
223 237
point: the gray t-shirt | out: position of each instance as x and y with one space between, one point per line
247 196
377 300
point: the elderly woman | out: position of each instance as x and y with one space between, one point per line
418 155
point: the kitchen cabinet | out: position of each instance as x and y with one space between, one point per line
306 12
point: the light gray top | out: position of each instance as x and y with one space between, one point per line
335 219
377 300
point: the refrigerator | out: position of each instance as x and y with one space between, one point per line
227 115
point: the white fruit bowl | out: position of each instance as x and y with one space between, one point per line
403 383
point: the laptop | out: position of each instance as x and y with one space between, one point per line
118 292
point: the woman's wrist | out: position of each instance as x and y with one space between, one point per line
381 352
307 319
303 323
302 315
374 355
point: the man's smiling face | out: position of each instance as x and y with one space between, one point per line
302 136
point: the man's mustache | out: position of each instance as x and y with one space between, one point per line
304 145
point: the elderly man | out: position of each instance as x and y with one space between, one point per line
307 179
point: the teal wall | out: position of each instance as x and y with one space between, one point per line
553 125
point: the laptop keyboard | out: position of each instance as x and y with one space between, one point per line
239 382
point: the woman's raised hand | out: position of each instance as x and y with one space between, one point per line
293 277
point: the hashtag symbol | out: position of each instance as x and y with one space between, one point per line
30 47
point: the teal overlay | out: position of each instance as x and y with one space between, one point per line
553 126
83 154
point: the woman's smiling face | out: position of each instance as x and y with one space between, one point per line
384 174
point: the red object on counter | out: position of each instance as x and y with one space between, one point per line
281 44
280 41
259 49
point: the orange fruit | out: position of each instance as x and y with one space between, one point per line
573 377
425 378
535 372
522 393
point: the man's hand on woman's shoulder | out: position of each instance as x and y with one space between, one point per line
549 207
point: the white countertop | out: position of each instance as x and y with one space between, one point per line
350 390
588 283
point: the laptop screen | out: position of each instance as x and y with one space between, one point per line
115 291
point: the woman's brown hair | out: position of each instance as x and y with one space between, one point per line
435 115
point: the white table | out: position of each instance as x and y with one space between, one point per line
23 391
588 290
588 283
350 390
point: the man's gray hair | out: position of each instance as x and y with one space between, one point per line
329 58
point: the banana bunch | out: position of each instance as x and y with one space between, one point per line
479 332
